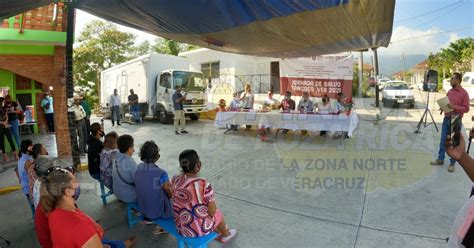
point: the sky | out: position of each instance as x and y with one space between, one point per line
415 23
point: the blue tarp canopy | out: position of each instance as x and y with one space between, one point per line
273 28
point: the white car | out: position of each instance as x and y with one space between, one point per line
397 93
382 82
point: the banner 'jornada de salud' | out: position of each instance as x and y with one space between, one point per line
318 75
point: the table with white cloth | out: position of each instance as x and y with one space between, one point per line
294 121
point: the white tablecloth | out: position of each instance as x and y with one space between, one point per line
310 122
237 118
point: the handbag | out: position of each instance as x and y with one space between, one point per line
121 178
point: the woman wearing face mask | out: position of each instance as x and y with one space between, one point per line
69 226
94 150
12 109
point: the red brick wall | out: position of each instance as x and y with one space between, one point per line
41 19
49 71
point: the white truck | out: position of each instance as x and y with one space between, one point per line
153 78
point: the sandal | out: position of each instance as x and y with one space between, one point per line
232 234
159 231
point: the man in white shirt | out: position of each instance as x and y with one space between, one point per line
81 127
305 105
115 108
270 103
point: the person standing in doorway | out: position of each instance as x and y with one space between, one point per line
115 108
47 105
79 115
134 108
179 118
12 108
459 102
87 108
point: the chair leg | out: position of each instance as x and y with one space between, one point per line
181 243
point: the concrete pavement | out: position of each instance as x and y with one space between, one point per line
376 189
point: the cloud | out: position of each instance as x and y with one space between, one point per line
402 41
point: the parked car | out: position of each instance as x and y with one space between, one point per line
397 93
382 82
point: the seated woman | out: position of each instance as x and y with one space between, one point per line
123 173
107 159
94 149
69 226
194 205
35 168
152 185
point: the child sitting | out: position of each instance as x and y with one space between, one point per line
195 210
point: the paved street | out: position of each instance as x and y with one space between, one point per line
376 189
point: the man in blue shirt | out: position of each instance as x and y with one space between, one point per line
26 148
47 105
179 119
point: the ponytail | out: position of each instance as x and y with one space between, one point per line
53 186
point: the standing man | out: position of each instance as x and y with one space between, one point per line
87 108
47 105
179 118
115 108
287 104
79 116
134 108
459 101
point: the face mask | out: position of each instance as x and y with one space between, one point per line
77 193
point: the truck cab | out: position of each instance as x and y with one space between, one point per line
191 82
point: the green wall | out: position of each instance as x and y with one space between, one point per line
26 49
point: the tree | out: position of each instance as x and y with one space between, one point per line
142 49
455 58
172 47
100 46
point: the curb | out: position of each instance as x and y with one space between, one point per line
10 189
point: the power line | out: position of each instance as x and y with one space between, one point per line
427 13
426 35
437 17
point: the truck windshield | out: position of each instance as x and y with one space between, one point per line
189 81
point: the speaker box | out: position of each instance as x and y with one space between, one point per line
431 81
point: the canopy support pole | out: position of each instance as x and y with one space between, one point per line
361 73
76 159
376 70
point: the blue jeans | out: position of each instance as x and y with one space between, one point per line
135 109
14 127
444 132
115 114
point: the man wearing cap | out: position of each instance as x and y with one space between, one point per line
47 105
79 117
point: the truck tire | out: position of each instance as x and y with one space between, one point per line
163 117
194 117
